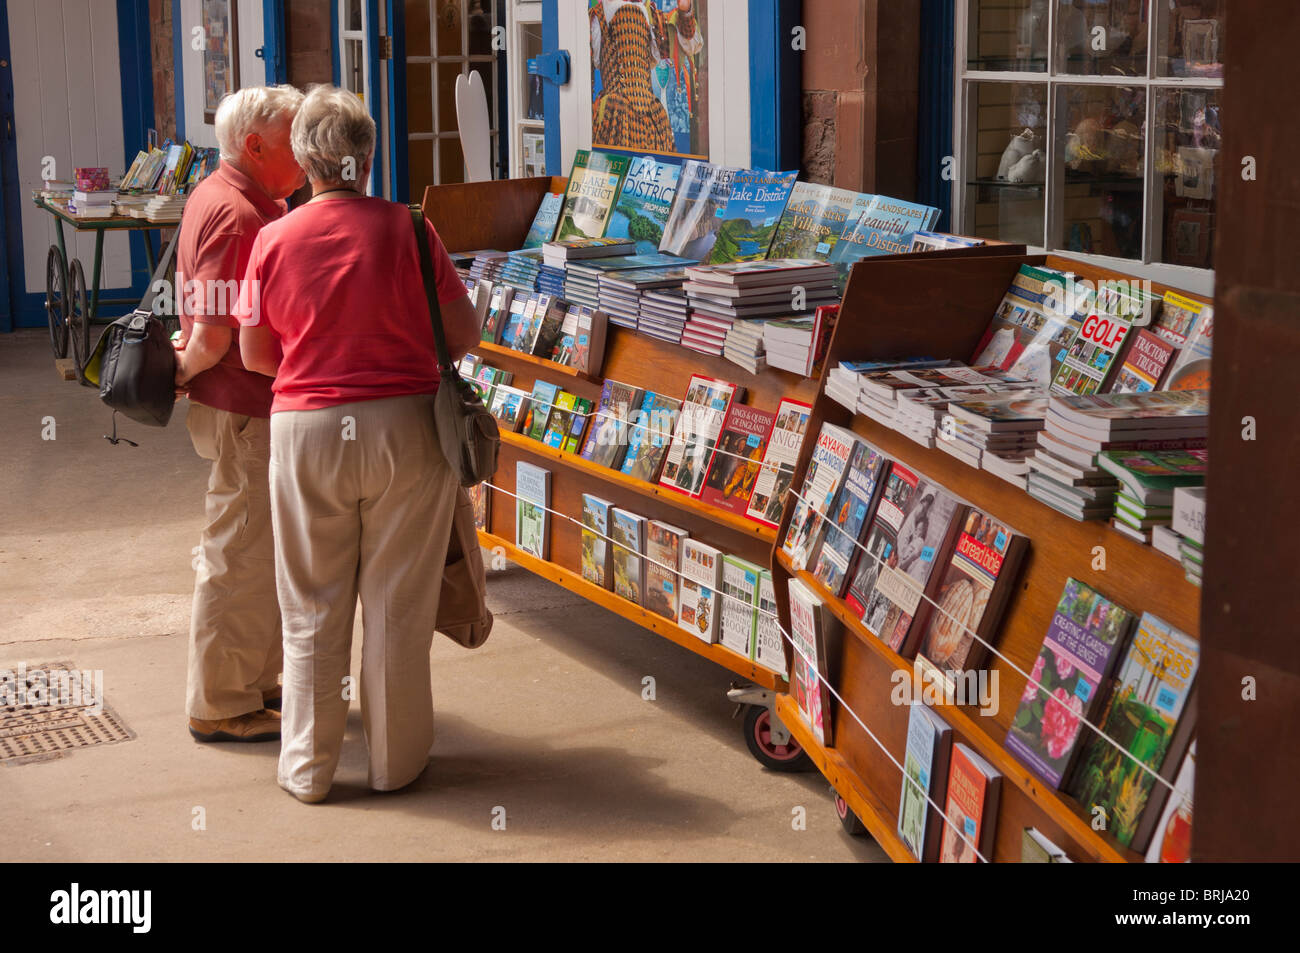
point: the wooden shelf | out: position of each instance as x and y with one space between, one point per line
1060 808
679 500
658 624
879 820
540 362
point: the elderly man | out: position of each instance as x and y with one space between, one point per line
235 652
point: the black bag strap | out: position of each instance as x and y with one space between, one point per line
150 293
431 291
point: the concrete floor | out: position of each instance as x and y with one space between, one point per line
546 721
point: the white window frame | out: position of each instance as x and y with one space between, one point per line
520 14
1196 280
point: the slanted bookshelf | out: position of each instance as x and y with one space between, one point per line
925 305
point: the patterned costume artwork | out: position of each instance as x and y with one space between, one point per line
628 41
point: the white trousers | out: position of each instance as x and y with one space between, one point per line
362 500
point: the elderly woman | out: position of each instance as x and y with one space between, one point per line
334 308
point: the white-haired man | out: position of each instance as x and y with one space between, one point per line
235 653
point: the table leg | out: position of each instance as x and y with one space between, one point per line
58 232
99 261
148 251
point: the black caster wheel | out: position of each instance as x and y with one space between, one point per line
848 819
758 737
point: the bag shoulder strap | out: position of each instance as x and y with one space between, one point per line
430 287
151 293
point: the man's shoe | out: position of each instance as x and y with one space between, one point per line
261 725
272 698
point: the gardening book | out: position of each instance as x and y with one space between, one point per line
649 433
737 458
1147 700
880 225
739 602
698 425
701 582
597 566
663 552
849 516
815 635
1079 652
767 502
607 437
594 185
628 532
822 481
543 228
974 789
925 776
750 217
813 220
532 520
644 202
769 644
702 192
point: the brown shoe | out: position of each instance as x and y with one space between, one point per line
261 725
272 698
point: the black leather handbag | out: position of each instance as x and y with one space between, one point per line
133 362
467 433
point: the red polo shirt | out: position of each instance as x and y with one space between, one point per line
221 221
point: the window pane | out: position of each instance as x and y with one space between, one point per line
1102 151
353 64
417 28
480 26
447 73
1192 41
530 35
449 27
419 164
419 97
1005 166
354 16
1187 150
1008 35
1107 38
451 161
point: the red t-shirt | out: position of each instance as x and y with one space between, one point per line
338 282
221 221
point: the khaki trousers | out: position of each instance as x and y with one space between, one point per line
363 501
235 623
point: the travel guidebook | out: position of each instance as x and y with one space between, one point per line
925 779
628 530
649 432
641 212
703 412
737 458
702 192
821 483
751 214
548 213
849 515
532 520
895 496
880 225
1078 654
813 220
596 565
767 502
594 185
663 558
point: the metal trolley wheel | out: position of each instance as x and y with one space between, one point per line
78 317
848 819
56 300
758 737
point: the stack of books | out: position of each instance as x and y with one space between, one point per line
706 333
1064 472
1002 430
798 344
1184 537
745 345
488 264
923 416
1147 480
844 382
164 208
621 292
559 254
664 310
760 289
521 269
550 280
879 391
95 204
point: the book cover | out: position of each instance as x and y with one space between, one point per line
521 311
1151 689
740 579
882 533
578 416
814 637
1090 357
702 192
704 409
749 219
497 314
1037 849
480 498
1179 317
849 516
560 419
1172 840
701 581
813 220
767 502
641 212
548 214
1144 365
594 184
539 409
628 532
597 566
925 778
509 407
737 457
973 594
974 789
532 519
607 436
821 483
1079 651
769 643
649 433
663 552
1032 328
1190 368
549 320
880 225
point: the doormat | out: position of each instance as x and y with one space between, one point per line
51 708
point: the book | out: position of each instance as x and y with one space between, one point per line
815 635
1190 368
1116 416
701 581
542 229
849 516
739 619
541 327
1188 519
925 779
822 481
1179 317
750 217
538 412
532 518
1153 475
1151 689
1090 357
1144 365
594 184
737 458
813 220
589 346
480 498
973 593
880 225
663 552
498 313
769 643
628 531
509 406
1037 849
1079 651
1032 327
703 411
607 437
650 431
644 202
1171 842
973 791
767 502
566 422
522 307
692 227
596 562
